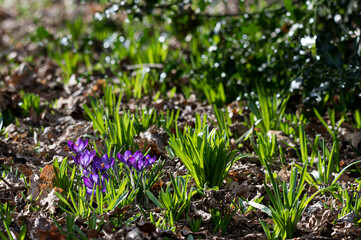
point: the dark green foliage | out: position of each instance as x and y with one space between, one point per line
306 47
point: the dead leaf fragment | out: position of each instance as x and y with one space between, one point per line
52 234
11 179
26 170
50 201
37 186
348 218
353 136
93 233
48 175
23 76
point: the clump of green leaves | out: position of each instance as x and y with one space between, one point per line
287 206
333 131
269 110
265 147
177 203
351 203
324 165
31 102
68 62
194 223
5 218
214 95
223 120
221 221
75 201
117 130
204 152
61 172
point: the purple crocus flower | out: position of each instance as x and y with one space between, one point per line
137 160
93 170
86 158
150 160
144 162
128 158
76 158
140 165
104 163
79 146
94 180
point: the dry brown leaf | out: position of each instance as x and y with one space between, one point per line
12 180
23 76
33 115
42 184
49 201
348 218
284 174
48 175
93 233
353 136
52 234
26 170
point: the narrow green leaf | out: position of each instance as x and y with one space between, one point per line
261 207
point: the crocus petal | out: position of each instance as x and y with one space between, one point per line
87 157
112 161
127 154
105 159
97 162
121 158
138 155
95 178
88 182
79 142
86 172
79 146
105 175
84 144
131 161
71 146
76 159
89 191
104 163
139 166
151 160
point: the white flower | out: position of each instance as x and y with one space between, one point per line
308 41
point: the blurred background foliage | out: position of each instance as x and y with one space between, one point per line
212 47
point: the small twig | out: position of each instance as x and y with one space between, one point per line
55 153
240 14
12 188
144 65
6 182
7 199
144 7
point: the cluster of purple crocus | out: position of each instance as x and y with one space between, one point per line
137 160
94 168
